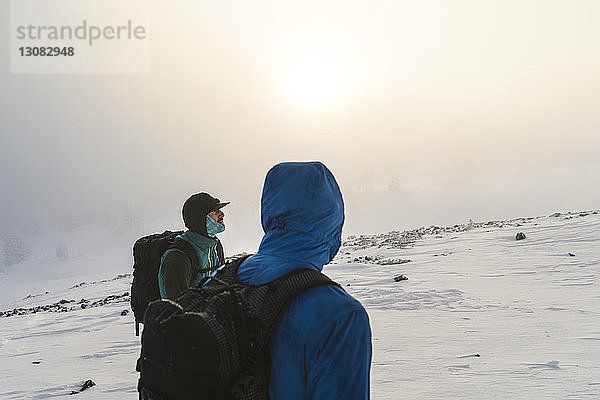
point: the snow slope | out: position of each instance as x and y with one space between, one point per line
481 314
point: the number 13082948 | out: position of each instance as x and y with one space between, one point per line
46 51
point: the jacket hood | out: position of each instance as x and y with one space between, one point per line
302 213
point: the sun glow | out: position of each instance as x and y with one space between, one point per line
314 83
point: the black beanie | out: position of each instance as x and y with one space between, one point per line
195 209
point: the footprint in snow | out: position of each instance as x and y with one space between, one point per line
458 367
548 365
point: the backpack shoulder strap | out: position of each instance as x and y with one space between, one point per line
265 305
228 273
267 301
284 289
188 249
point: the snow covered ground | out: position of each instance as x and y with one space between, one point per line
480 316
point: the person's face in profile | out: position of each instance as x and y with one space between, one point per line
217 215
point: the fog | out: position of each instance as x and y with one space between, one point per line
428 112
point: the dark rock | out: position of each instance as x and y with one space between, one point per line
86 385
572 255
470 355
36 362
392 261
400 278
120 276
520 236
124 313
61 306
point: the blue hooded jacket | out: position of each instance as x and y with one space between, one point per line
321 347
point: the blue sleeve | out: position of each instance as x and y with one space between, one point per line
341 360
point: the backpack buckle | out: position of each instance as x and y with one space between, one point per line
241 385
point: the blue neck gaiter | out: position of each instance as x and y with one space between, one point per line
213 227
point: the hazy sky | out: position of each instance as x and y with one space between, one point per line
426 112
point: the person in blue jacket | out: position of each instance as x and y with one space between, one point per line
321 347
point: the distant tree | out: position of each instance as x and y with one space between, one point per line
393 184
16 249
62 251
125 217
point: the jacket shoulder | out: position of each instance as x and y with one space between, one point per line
175 274
317 309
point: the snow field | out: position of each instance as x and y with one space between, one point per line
481 314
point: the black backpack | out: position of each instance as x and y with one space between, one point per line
212 341
147 253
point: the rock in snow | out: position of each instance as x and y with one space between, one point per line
86 385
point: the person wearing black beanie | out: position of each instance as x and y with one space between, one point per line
203 217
